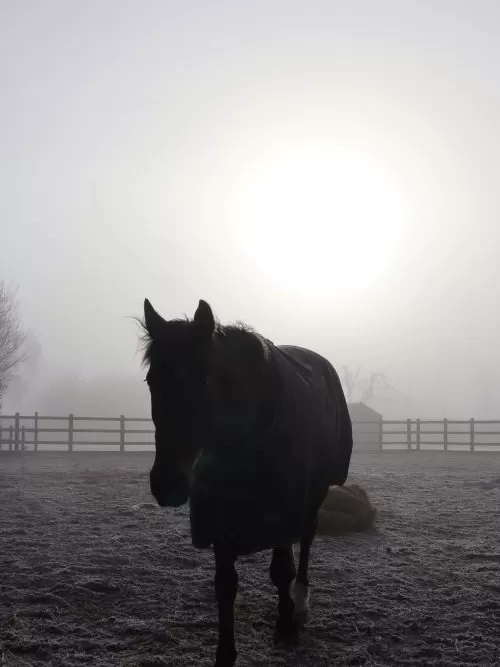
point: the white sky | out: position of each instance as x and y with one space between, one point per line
129 129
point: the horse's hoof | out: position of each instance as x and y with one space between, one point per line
301 617
287 632
300 597
288 638
225 658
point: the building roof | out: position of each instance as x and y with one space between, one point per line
361 407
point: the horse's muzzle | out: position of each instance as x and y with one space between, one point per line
170 490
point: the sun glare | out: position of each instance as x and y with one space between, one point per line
320 225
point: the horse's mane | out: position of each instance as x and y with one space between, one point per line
240 334
243 335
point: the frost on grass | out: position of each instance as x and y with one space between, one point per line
93 573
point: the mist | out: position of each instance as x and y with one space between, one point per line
129 131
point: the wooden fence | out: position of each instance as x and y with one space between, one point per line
39 433
72 433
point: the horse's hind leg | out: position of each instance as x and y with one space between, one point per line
300 588
282 572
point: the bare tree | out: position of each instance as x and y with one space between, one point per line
350 380
12 337
370 386
362 389
359 388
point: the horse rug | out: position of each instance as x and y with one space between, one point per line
256 495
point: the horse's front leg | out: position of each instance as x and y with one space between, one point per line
282 572
226 586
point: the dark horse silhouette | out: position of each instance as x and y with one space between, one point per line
252 435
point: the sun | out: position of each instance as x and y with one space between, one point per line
321 225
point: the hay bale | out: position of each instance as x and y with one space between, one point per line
346 509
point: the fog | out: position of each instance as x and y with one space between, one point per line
128 131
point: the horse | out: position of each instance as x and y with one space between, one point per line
252 435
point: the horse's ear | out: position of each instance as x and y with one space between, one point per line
204 317
154 322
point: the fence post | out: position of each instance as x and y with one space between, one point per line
11 437
16 431
381 434
418 434
23 438
35 433
122 433
445 434
472 435
408 434
70 432
1 435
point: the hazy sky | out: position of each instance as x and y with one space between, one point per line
129 130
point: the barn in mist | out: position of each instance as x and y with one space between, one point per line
366 427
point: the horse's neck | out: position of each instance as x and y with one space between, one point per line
266 407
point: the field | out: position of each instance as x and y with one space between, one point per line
93 573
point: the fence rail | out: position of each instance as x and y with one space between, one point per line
72 433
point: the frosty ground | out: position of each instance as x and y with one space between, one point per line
92 573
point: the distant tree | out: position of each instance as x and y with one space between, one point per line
349 381
12 337
371 385
362 389
21 379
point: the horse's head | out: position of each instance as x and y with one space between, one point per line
177 354
239 388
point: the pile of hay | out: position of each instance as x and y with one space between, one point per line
346 509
